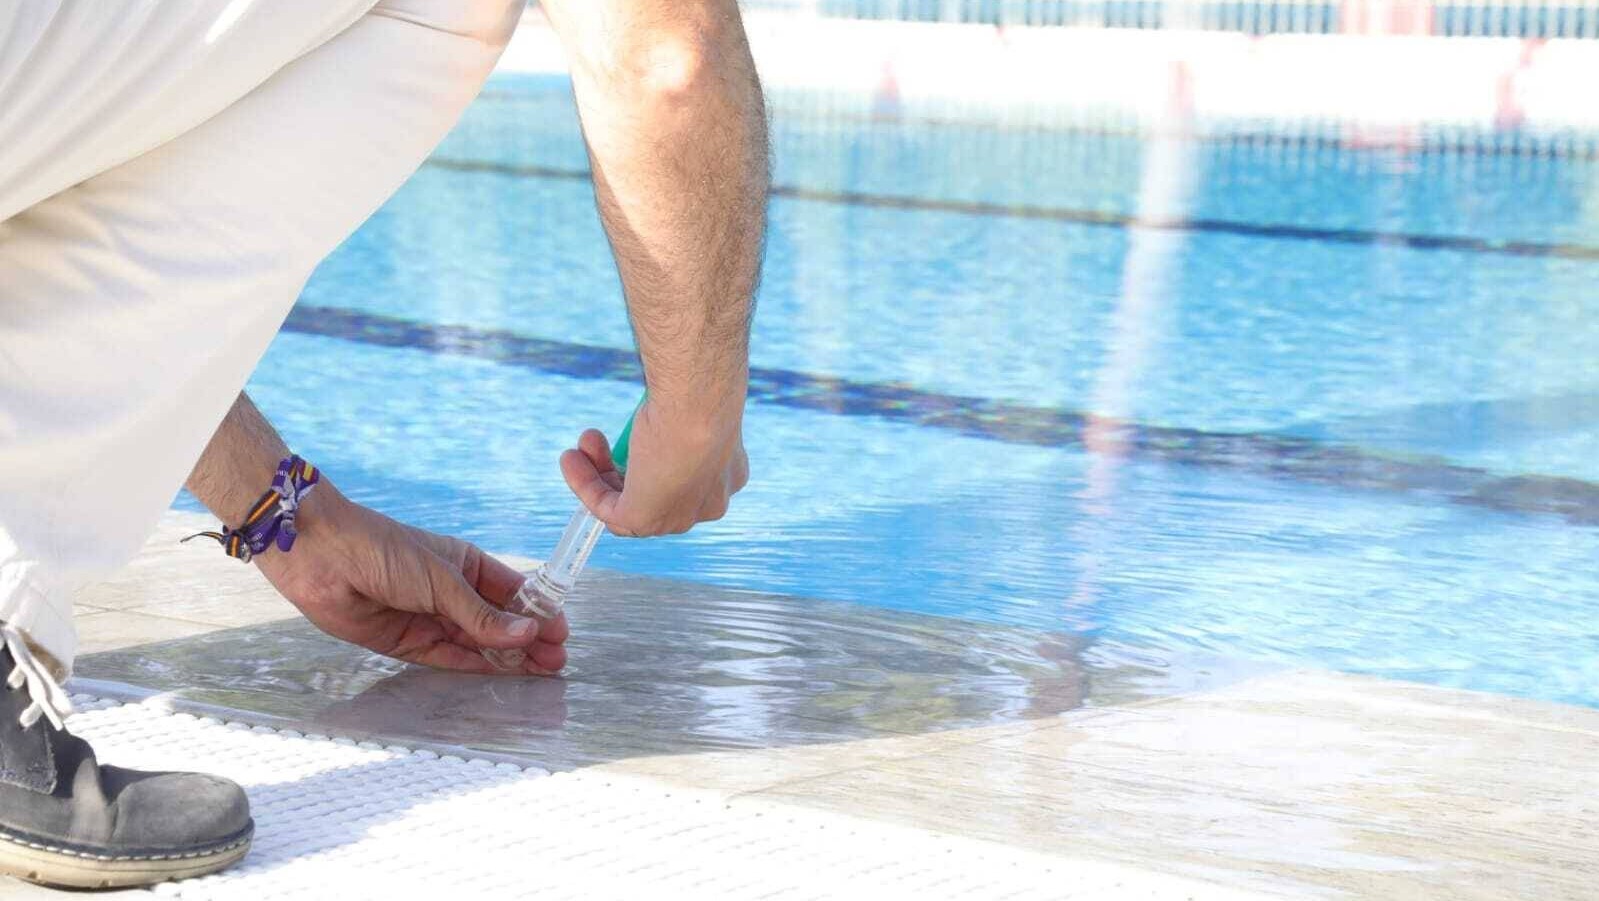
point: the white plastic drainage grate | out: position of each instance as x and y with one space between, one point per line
346 821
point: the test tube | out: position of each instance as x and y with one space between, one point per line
543 592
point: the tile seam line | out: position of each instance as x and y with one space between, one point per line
161 616
1300 460
1100 219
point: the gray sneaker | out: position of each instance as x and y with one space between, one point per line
65 820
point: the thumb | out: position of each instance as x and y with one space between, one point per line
600 494
484 623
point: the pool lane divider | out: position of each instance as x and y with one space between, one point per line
1274 456
1098 218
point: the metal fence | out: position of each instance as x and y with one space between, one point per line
1577 19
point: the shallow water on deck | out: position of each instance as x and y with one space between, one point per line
665 667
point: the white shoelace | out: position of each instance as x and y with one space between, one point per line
48 699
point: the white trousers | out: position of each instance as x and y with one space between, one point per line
171 171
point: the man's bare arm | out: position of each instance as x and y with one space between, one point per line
676 128
238 463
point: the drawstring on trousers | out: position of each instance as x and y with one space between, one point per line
48 698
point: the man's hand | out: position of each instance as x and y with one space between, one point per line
410 594
676 131
367 579
681 472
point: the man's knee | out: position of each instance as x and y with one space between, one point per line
489 21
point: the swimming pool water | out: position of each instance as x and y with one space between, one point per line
1313 296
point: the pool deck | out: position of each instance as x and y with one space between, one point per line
1290 784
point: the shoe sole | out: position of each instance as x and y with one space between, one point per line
66 868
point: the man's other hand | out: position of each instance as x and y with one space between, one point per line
683 469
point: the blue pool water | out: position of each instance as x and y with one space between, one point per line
1362 385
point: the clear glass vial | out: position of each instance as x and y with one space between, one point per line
544 592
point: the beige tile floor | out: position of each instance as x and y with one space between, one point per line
174 590
1303 784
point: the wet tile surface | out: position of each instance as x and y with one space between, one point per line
658 667
720 670
1294 783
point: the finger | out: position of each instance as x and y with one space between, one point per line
713 510
552 632
594 445
597 447
622 531
496 581
480 570
600 497
452 549
545 659
493 579
555 631
485 624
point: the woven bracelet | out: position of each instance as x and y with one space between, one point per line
271 519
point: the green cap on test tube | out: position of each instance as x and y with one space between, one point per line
619 450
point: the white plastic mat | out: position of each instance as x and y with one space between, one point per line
341 820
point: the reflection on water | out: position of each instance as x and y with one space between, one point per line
1306 400
663 667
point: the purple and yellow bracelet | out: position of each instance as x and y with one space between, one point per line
271 519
